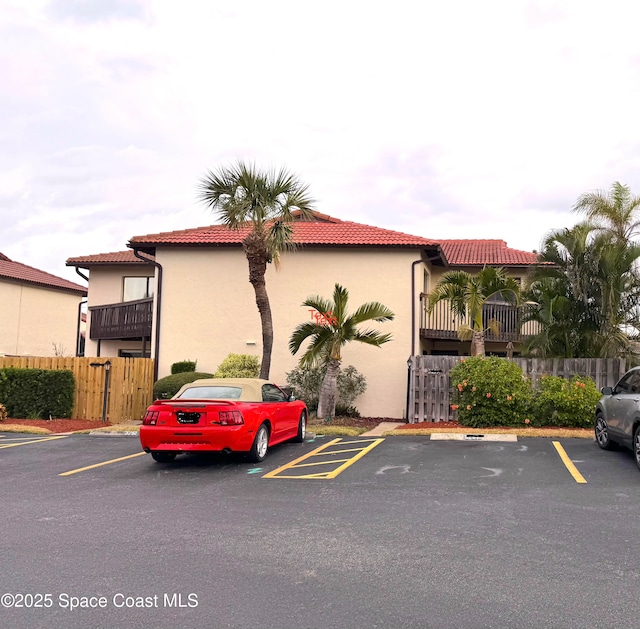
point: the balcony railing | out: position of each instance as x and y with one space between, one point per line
443 324
127 320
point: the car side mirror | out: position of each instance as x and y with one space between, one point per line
292 398
606 391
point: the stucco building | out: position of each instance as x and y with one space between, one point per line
191 299
39 313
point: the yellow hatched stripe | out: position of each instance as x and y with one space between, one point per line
332 462
351 461
573 470
277 473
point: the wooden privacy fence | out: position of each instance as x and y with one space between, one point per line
130 384
430 386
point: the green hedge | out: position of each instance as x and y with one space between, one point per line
495 392
37 393
239 366
183 366
167 387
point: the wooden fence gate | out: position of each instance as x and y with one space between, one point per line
130 384
430 386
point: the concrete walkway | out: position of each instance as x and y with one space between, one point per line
381 428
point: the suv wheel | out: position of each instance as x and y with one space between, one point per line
602 433
636 446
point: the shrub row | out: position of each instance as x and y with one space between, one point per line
495 392
37 393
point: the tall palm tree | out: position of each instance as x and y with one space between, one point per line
468 294
242 196
332 329
586 294
615 211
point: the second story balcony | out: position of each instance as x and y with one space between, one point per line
443 324
126 320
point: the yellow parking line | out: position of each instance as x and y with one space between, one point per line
91 467
296 463
573 470
26 443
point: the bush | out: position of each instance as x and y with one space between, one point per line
305 382
167 387
239 366
490 392
560 402
37 393
3 413
184 366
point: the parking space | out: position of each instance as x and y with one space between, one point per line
468 521
409 460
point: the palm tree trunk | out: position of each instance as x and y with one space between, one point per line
257 271
328 391
477 344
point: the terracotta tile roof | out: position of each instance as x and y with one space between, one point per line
18 272
117 257
480 252
323 230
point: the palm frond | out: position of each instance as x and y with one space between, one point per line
372 311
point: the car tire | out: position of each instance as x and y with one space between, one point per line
260 444
602 433
163 457
636 446
302 428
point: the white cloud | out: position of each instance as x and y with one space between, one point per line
447 120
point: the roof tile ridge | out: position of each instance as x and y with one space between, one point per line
55 277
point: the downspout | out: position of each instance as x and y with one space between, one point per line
413 322
156 352
413 333
82 303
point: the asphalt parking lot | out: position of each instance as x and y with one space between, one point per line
409 532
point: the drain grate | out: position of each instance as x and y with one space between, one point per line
458 436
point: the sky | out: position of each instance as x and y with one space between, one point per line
458 119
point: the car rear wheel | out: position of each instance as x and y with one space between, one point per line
302 428
260 444
163 457
636 446
602 433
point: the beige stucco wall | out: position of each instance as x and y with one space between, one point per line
106 287
33 319
209 311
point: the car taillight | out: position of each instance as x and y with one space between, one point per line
230 418
150 418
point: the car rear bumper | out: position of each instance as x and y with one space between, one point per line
206 439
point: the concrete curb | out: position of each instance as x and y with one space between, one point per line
124 433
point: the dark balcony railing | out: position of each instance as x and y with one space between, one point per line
127 320
442 324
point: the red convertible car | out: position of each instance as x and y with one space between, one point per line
223 415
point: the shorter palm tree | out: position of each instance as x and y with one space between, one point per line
332 329
467 294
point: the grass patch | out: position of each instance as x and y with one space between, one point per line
345 431
114 428
30 430
556 433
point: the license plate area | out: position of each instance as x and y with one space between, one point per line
187 417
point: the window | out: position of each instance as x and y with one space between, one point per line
211 393
271 393
138 288
134 353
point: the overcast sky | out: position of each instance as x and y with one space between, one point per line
456 119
